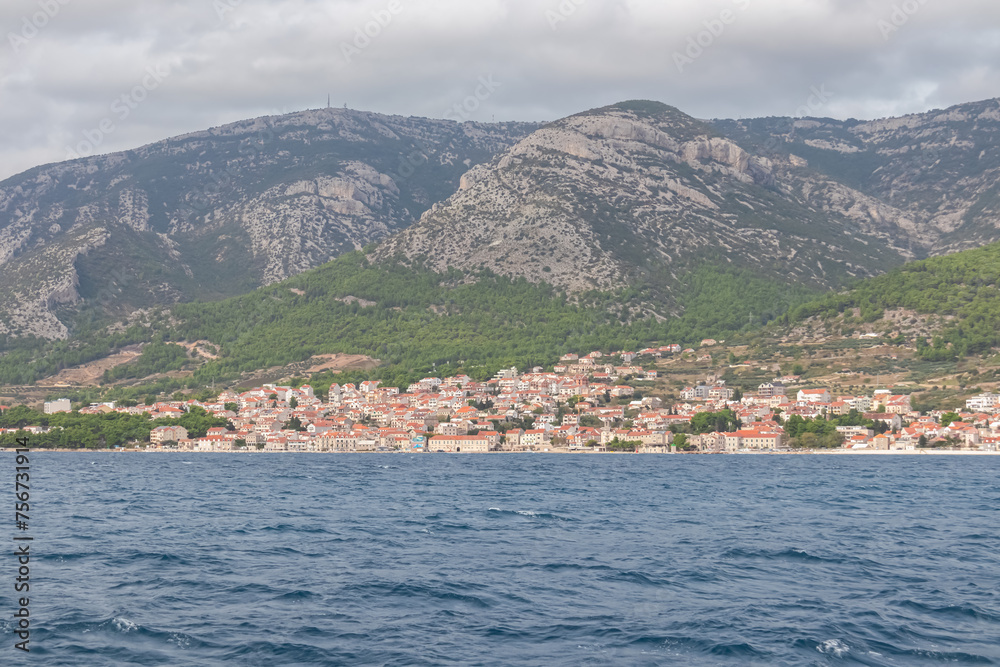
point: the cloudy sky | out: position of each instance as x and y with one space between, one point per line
79 77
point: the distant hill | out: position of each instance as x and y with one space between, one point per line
941 169
949 307
220 212
641 194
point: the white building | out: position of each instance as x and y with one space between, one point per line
58 405
814 396
982 403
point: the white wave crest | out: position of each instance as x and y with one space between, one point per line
834 647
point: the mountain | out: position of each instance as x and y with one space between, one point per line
940 169
632 223
640 193
220 212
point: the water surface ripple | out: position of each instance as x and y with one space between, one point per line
261 559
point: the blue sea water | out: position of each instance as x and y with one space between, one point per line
257 559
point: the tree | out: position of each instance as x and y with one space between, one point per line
617 445
293 403
232 407
806 441
852 418
949 418
680 440
708 422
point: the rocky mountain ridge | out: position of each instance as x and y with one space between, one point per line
940 169
641 193
635 194
219 212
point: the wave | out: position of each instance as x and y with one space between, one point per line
960 610
530 513
834 647
443 592
791 554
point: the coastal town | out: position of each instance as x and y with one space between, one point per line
583 404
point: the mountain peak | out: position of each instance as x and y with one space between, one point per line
647 108
663 117
637 193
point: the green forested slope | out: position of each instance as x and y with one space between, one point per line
415 321
961 289
418 321
423 320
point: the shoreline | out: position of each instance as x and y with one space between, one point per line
817 452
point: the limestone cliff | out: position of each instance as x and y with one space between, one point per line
640 192
220 212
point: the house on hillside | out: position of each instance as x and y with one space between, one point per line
814 396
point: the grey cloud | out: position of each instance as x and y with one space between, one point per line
232 59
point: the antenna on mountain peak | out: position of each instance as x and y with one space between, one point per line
328 100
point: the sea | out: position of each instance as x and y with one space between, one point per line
526 559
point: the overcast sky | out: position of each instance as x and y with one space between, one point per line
93 76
